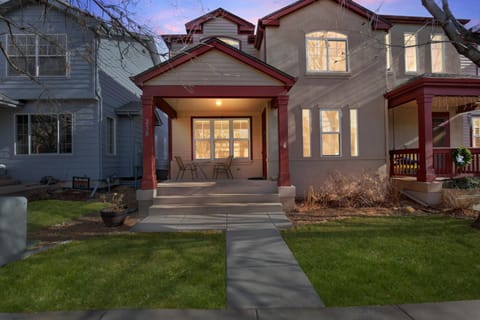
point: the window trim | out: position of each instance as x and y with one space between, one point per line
442 44
212 138
339 132
37 56
326 39
107 135
410 47
29 146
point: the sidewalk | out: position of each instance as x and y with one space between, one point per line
460 310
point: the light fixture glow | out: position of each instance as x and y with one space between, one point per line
218 102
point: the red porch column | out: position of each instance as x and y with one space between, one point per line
149 180
281 102
426 171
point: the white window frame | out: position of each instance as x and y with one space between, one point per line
37 55
442 48
388 48
339 132
354 140
326 39
29 134
407 36
475 117
231 137
111 141
307 135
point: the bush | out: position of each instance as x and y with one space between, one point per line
339 190
462 183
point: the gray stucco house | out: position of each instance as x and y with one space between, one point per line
68 108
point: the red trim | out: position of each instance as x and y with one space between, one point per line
165 107
435 87
213 44
215 91
170 142
281 104
149 178
196 25
426 171
415 20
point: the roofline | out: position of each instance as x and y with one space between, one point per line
205 47
415 20
273 19
196 25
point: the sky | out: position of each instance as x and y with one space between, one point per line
170 16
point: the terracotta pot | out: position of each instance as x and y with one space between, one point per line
112 217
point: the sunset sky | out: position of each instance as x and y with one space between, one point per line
169 16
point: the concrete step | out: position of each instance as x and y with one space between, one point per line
7 181
216 198
213 208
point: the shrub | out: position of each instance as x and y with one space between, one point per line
339 190
462 183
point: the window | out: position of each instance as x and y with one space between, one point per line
330 132
437 52
476 132
37 55
43 134
388 47
232 42
111 136
354 132
410 42
326 52
219 138
306 133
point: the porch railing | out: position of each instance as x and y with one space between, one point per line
405 162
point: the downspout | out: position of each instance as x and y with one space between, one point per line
98 94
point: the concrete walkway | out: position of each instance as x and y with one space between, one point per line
460 310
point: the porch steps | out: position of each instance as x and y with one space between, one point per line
7 181
216 197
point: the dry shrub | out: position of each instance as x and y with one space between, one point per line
459 198
339 190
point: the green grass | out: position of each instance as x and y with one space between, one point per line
390 260
42 214
182 270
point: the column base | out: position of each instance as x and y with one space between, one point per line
287 197
145 201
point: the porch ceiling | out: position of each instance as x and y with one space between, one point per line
444 103
210 105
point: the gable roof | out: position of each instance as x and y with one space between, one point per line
207 46
196 25
274 19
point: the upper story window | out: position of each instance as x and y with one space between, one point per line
410 43
230 41
388 47
437 53
326 51
37 55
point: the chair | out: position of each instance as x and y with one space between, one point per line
185 167
223 168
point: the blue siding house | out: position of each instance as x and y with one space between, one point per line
67 105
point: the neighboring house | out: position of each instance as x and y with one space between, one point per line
76 113
321 87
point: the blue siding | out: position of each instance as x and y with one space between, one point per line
79 83
84 161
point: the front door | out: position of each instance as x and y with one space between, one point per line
441 129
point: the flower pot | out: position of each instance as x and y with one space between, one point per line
113 217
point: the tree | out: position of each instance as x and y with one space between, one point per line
466 41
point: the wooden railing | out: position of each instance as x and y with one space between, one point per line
406 163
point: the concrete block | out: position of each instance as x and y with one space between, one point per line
13 228
287 197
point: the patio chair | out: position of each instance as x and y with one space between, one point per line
185 167
223 168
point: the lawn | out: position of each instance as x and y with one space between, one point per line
389 260
45 213
182 270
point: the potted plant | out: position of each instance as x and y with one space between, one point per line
115 214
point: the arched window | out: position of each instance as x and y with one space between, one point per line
326 51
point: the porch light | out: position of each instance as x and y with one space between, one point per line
218 103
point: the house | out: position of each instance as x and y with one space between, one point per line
68 108
319 86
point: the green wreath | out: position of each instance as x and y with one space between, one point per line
462 157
